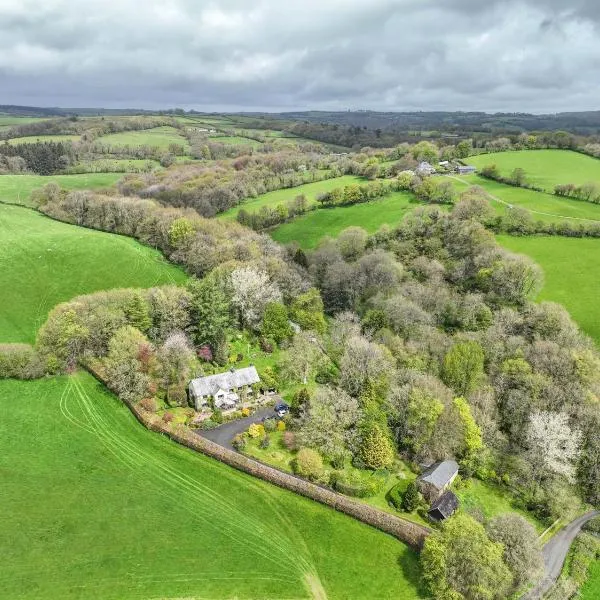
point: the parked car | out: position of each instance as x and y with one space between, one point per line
281 409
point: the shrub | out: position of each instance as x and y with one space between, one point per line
240 441
354 484
266 345
256 430
167 417
376 449
396 495
149 404
289 440
246 412
217 416
270 425
265 442
411 498
20 361
280 425
308 463
592 526
176 395
207 424
205 353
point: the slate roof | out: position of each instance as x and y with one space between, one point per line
440 474
444 506
230 380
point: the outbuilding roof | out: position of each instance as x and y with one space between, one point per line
440 474
444 506
230 380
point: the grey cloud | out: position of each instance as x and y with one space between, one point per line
535 55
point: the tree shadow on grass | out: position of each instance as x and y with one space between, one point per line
411 569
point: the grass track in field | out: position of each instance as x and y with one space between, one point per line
310 228
105 509
544 168
544 207
310 190
17 189
44 262
159 137
570 266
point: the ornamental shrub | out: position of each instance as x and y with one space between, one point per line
411 498
280 425
265 442
270 425
308 463
256 430
240 441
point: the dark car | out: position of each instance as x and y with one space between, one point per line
281 409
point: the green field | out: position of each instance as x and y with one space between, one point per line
308 229
96 506
12 120
17 188
569 265
31 139
544 168
591 588
158 137
543 206
310 190
44 262
234 140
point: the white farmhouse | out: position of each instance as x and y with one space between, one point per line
224 388
425 168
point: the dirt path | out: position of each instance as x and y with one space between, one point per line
555 552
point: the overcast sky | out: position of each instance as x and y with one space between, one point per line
493 55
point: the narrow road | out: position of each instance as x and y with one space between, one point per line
555 552
224 434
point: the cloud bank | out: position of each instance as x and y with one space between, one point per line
528 55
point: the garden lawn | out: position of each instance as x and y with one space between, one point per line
96 506
491 500
310 190
17 189
44 262
158 137
591 588
543 206
570 266
32 139
543 168
310 228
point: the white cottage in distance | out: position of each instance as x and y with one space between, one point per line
223 388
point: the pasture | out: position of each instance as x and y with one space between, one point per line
12 120
103 508
234 140
44 262
157 137
310 190
17 189
591 588
544 168
32 139
543 206
310 228
569 266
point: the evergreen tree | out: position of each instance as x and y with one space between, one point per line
211 311
138 313
276 324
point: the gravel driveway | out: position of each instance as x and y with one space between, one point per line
224 434
555 552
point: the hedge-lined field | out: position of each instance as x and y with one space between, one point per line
104 508
17 189
158 137
44 262
543 168
544 207
310 190
32 139
569 266
310 228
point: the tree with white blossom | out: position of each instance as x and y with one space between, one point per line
252 291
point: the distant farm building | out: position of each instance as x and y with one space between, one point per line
444 507
224 389
434 481
425 168
465 169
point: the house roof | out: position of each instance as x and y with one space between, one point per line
445 505
440 474
230 380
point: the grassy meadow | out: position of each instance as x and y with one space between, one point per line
569 266
11 120
45 262
105 509
543 206
158 137
591 588
235 140
17 189
310 190
544 168
310 228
